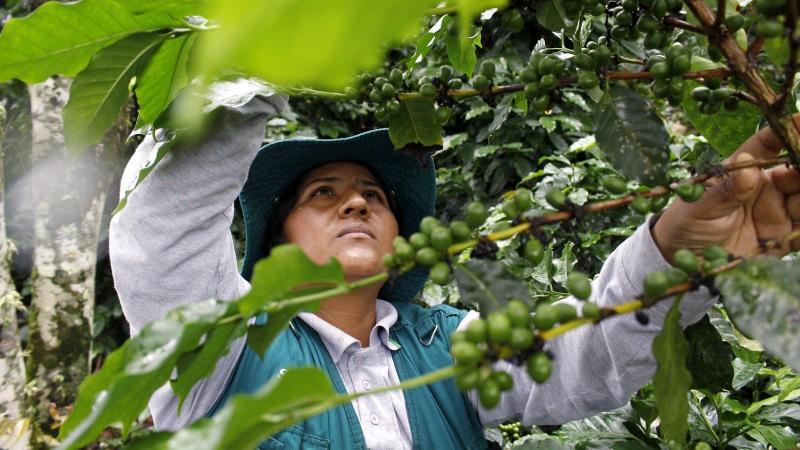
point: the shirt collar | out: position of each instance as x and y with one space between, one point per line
337 342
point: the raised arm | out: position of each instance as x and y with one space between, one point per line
171 243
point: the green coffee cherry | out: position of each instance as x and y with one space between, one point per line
641 205
583 61
548 82
687 192
404 252
445 73
734 22
389 261
442 115
658 203
468 380
590 311
588 80
440 273
701 93
615 185
466 353
655 284
518 313
675 276
428 224
541 102
477 331
686 260
499 327
703 445
522 199
476 214
769 28
534 251
715 252
388 91
601 56
480 83
428 90
556 198
520 339
647 24
426 257
503 380
660 70
441 238
566 312
510 209
578 285
396 77
455 83
489 394
393 106
419 240
546 316
539 367
460 230
487 69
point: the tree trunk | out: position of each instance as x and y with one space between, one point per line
14 423
69 194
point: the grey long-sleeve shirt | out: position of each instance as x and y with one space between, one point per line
171 245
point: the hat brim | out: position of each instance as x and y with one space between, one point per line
278 164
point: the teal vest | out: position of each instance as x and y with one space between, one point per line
440 416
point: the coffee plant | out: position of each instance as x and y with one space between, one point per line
484 85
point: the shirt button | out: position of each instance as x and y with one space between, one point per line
367 385
374 419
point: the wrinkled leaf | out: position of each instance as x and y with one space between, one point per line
725 130
487 285
762 297
632 136
65 42
501 114
672 381
710 360
415 123
100 91
164 75
272 40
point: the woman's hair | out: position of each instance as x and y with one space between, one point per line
284 204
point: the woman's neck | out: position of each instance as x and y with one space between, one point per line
353 313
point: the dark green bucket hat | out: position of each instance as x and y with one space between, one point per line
278 164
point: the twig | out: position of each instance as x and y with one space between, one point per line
742 95
720 17
684 25
755 48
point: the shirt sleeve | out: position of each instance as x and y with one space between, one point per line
171 244
598 367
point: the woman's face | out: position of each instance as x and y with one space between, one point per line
342 212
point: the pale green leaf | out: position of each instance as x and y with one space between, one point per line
415 123
725 130
461 51
176 8
66 35
164 75
672 381
98 93
315 43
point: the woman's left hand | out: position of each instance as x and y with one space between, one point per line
738 210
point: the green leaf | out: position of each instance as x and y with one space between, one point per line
66 35
710 360
415 123
550 16
249 419
130 374
98 93
486 285
175 8
314 43
424 43
725 130
671 381
632 136
288 273
762 297
200 363
163 76
781 437
468 9
164 144
461 51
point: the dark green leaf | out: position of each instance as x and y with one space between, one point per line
487 285
762 297
461 51
725 130
632 136
415 123
672 381
249 419
66 35
98 93
781 437
710 359
550 16
286 274
163 76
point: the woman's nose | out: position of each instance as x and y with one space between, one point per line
355 203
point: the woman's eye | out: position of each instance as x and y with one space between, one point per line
322 191
375 195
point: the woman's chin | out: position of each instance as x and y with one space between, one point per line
360 266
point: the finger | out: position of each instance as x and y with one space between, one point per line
727 194
793 208
770 214
787 179
764 144
795 243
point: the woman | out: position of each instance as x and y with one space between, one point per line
348 199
